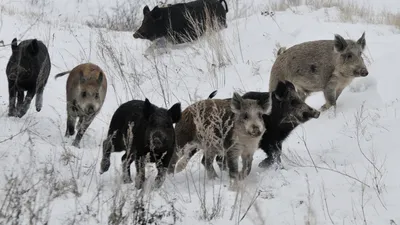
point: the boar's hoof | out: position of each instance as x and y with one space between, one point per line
38 109
12 113
104 165
76 144
266 163
324 107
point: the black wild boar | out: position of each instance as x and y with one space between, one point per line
27 70
141 128
182 22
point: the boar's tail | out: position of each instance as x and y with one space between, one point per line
61 74
212 95
226 5
183 161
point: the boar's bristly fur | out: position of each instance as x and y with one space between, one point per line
145 132
182 22
220 127
27 70
86 90
322 65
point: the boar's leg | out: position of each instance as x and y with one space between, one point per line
209 155
247 161
140 164
86 121
27 102
71 121
12 92
330 95
273 152
39 99
105 161
20 98
162 167
233 166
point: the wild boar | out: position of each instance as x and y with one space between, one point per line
141 128
220 127
27 70
86 90
182 22
287 112
322 65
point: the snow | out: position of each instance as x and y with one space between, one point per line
355 153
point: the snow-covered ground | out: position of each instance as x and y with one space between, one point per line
351 179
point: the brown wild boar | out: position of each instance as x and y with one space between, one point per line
322 65
86 91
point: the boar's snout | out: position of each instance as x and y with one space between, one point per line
364 72
90 109
255 131
158 139
157 142
312 113
138 34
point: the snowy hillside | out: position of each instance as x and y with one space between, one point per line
339 169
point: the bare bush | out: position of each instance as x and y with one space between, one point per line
126 16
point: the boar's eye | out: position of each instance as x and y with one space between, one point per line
97 96
349 56
293 103
245 116
84 94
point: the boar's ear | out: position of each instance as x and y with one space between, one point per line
100 78
282 90
236 102
148 109
156 13
146 10
33 47
14 44
362 41
289 85
265 103
175 112
82 78
340 43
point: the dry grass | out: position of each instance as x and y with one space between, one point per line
348 11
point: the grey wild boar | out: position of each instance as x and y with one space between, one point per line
86 90
27 70
141 129
322 65
288 112
220 127
181 22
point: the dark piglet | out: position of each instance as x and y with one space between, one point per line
27 70
141 128
288 111
176 22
